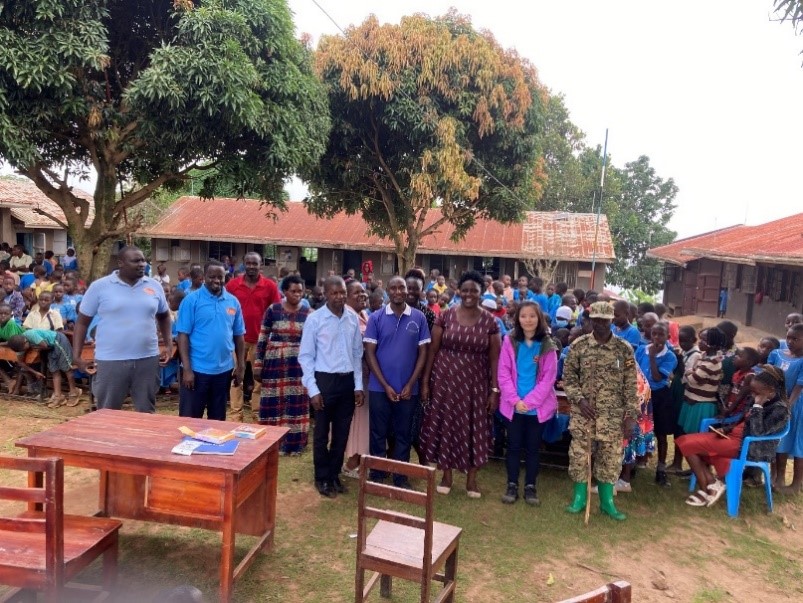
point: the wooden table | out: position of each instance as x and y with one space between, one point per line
141 479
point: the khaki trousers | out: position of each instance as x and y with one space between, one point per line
236 393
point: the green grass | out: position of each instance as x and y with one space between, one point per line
507 552
711 595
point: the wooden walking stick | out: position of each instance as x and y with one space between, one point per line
592 401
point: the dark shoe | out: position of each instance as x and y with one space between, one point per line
531 496
512 494
661 479
325 489
404 484
377 478
338 486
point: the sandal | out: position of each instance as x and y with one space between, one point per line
56 401
443 489
715 492
73 399
473 493
698 499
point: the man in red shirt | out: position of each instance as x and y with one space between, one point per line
255 293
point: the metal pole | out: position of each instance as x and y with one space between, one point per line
599 211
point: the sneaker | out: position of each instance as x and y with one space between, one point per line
661 479
352 473
622 486
512 494
595 490
531 496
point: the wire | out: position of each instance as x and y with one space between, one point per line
425 116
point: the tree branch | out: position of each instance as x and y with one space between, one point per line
50 216
61 195
136 197
446 218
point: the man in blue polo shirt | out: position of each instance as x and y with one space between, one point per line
210 327
396 343
621 327
127 353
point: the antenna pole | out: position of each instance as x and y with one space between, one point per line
599 211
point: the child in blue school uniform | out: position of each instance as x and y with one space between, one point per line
658 362
790 361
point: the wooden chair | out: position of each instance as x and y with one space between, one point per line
401 545
613 592
43 549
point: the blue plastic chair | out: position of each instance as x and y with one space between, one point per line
733 479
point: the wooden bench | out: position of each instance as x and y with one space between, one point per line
613 592
42 548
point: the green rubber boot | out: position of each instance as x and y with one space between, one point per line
580 496
606 502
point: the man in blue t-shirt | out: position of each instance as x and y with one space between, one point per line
129 307
396 343
210 328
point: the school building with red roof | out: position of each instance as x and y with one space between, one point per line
760 268
194 230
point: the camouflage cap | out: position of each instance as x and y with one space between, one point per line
601 309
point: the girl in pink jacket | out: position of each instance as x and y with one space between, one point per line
528 366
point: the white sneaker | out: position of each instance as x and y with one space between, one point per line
622 486
595 489
352 473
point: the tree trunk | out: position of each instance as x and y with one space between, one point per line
93 257
406 252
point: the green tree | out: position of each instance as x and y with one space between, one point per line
637 202
426 113
638 219
141 92
789 10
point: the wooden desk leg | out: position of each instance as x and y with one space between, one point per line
103 495
35 480
271 492
227 550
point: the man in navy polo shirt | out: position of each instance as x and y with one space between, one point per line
396 343
210 327
126 345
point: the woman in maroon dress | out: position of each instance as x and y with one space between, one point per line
460 383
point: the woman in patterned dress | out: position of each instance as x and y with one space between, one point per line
460 383
283 401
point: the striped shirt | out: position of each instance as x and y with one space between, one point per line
703 381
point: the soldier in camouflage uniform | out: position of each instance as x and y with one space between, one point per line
599 378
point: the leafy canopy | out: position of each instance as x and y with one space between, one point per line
143 91
423 112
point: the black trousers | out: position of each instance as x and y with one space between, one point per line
337 391
210 394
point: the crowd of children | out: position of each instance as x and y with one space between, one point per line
39 308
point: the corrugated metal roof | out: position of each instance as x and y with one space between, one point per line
678 252
558 235
24 198
779 241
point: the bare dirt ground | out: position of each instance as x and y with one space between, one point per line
696 556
